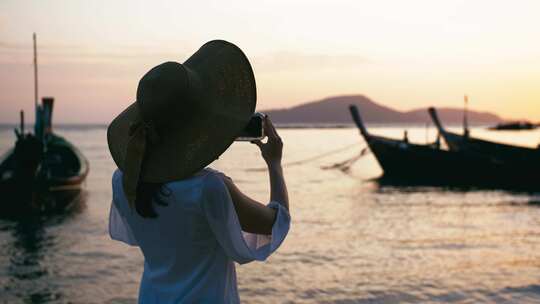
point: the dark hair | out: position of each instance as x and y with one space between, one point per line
147 193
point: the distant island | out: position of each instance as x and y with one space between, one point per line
334 110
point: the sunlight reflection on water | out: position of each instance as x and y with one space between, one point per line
351 241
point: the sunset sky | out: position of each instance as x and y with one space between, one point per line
404 54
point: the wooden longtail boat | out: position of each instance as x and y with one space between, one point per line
414 164
41 163
519 166
511 154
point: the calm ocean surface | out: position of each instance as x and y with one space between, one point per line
351 241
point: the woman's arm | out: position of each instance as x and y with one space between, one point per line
255 217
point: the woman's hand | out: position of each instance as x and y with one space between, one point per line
255 217
272 150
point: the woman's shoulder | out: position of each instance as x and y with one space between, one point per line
208 179
213 179
204 178
206 173
202 186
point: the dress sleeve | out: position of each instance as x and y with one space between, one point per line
119 229
240 246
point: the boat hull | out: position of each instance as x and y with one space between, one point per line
407 163
519 167
60 172
501 152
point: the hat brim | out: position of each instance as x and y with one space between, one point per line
225 92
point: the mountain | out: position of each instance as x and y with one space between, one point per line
334 110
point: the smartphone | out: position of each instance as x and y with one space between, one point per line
254 130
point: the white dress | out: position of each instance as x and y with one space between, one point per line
190 248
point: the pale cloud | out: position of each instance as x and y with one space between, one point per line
405 54
287 61
12 46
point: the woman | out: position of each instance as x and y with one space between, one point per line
191 222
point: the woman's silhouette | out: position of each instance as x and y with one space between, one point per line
191 222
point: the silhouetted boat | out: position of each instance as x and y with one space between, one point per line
47 163
40 163
498 151
516 125
414 164
520 166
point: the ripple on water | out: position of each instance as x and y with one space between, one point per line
351 240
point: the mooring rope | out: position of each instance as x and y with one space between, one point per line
315 157
346 164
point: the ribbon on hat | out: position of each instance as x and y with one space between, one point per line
140 133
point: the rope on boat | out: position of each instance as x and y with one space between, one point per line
316 157
346 164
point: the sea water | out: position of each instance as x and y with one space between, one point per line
351 240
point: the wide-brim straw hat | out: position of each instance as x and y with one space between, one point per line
185 116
